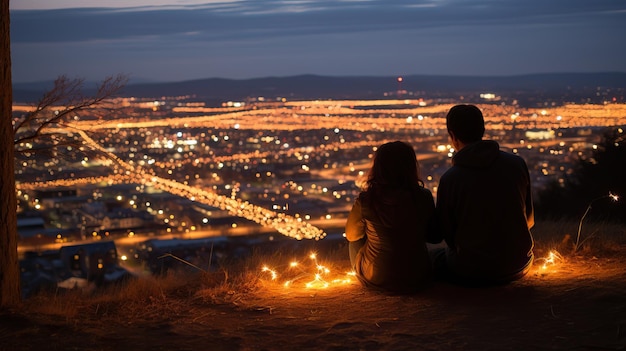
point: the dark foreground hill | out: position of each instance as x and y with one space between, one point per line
576 303
569 86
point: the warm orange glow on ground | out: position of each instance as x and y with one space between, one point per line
308 273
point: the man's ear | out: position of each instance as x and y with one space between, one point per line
454 140
452 137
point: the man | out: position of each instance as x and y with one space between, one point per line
484 207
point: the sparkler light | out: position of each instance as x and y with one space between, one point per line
554 256
271 271
552 259
312 276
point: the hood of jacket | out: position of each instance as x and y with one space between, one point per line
480 154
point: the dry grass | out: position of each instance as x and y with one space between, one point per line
150 296
232 283
134 297
272 270
561 235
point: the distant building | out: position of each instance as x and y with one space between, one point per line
540 134
161 255
75 266
90 261
32 230
123 218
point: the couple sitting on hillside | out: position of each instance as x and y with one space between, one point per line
484 213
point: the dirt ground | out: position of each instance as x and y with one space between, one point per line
579 303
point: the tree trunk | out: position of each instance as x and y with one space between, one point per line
9 265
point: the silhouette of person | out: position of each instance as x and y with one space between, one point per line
389 223
484 207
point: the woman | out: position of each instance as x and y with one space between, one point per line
390 222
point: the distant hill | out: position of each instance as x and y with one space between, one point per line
364 87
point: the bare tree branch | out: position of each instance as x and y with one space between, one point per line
57 108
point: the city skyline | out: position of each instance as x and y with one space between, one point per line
176 41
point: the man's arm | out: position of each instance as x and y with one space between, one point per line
433 236
444 214
528 201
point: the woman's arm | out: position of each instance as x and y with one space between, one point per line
355 225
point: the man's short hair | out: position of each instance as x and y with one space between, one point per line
466 122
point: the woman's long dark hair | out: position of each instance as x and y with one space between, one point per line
395 171
395 167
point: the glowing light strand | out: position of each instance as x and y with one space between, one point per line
321 277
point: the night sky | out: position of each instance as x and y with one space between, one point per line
184 40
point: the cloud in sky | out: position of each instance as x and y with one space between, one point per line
180 40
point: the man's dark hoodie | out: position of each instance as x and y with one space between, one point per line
485 212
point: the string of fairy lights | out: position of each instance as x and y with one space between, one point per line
310 274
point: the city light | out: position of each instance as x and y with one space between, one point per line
292 166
